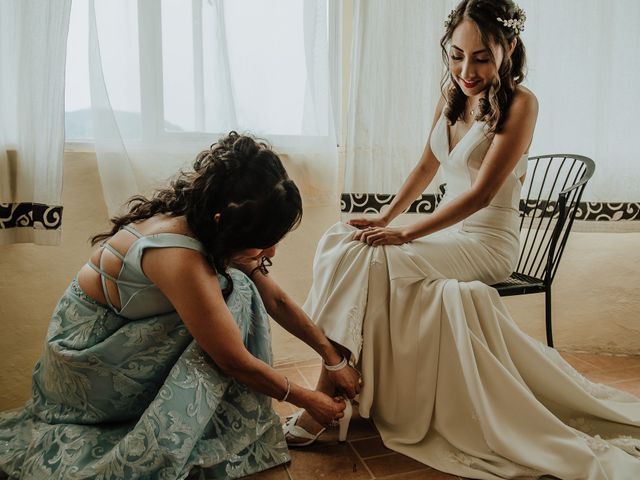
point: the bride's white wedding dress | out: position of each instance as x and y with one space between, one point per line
449 378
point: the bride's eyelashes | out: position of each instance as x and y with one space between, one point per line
457 59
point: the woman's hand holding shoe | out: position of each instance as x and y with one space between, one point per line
323 408
346 381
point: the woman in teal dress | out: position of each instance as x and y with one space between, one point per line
157 359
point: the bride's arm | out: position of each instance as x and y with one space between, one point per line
417 181
501 158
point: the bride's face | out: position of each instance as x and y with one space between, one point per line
470 62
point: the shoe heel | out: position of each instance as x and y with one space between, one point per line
343 422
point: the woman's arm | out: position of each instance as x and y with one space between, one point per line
192 286
288 313
501 158
417 181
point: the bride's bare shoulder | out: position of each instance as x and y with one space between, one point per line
525 98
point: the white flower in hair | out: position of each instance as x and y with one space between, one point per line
447 22
516 23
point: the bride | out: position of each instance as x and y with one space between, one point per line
449 379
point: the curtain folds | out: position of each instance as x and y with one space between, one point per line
395 86
33 37
583 68
174 76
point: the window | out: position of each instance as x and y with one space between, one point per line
189 69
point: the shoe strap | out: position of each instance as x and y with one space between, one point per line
292 429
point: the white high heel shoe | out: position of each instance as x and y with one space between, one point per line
343 423
294 430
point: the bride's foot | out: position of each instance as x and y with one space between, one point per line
301 429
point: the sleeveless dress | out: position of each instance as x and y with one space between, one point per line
129 394
449 378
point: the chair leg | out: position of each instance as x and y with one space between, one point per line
547 311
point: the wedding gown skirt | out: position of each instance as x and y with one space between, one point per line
449 378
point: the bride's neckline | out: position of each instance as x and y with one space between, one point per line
448 134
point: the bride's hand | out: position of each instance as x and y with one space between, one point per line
376 236
346 380
377 221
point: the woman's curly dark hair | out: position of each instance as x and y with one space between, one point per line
497 99
238 177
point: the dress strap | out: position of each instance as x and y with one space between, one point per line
132 230
114 251
103 277
101 271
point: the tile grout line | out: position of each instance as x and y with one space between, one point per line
306 380
365 438
364 464
392 452
599 369
286 469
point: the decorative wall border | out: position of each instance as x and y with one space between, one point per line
588 211
34 215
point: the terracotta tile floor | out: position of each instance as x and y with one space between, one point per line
363 456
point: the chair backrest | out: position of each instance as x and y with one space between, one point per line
551 195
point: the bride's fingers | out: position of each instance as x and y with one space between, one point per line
376 237
359 223
363 235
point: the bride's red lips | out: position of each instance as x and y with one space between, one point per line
469 84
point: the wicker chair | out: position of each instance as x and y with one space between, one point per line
553 189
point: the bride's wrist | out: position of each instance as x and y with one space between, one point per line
334 367
407 235
327 351
386 218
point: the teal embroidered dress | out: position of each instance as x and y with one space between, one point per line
128 394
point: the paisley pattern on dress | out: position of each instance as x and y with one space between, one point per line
115 398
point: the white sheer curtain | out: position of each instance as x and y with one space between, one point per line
583 66
395 85
33 36
170 77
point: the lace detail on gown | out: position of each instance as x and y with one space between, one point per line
586 429
354 322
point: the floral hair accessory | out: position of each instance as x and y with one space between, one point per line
516 23
447 22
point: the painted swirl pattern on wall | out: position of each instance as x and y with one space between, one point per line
34 215
589 211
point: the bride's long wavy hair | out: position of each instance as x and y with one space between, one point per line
497 100
238 177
